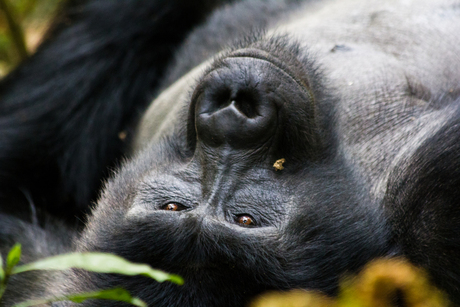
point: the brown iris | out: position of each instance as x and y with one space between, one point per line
245 220
173 207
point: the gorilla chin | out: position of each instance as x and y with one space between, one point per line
342 90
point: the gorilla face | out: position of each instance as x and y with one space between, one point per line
202 198
360 99
206 202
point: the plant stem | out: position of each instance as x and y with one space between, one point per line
17 34
2 288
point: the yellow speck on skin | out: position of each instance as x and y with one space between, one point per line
279 164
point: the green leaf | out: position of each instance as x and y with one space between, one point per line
98 262
13 257
2 272
117 294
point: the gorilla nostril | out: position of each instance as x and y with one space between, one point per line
234 106
246 103
218 100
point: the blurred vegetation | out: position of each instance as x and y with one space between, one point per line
382 283
22 26
93 262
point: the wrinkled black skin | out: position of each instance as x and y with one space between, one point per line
314 221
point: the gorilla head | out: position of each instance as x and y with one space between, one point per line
212 207
359 99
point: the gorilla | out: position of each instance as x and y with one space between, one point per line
157 129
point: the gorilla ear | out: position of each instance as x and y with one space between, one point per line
423 198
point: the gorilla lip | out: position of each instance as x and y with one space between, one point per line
262 55
266 56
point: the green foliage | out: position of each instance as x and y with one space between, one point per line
22 23
375 286
11 260
2 272
117 294
13 257
94 262
98 262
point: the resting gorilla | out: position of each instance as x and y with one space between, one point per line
361 99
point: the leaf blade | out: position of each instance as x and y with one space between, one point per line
116 294
100 263
2 271
14 255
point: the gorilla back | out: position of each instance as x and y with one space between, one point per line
360 99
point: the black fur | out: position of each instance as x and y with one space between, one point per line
62 112
423 196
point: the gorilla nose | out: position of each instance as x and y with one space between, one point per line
236 104
254 101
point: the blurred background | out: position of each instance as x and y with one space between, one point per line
22 26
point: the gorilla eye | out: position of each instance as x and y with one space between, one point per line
173 207
245 220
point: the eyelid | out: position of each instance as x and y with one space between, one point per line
178 206
163 200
